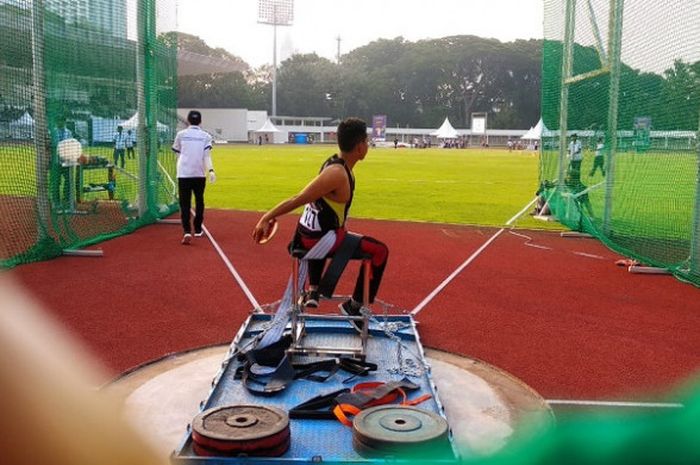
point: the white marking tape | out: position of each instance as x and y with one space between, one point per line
603 403
466 263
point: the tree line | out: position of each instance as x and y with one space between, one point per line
418 84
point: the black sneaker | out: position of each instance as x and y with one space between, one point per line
311 299
352 308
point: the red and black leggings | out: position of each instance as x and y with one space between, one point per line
368 245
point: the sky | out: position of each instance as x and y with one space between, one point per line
232 24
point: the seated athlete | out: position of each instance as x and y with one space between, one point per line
327 199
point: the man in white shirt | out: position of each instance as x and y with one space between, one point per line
575 154
193 148
130 141
599 160
119 140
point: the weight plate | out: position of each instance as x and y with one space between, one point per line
241 428
274 451
391 427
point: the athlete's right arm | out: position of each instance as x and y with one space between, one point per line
330 179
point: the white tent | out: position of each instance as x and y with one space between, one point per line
535 133
22 127
268 127
133 123
446 131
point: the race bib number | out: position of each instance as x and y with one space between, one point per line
309 218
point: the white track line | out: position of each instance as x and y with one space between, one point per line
233 271
602 403
466 263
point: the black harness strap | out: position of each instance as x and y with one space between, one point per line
286 372
341 257
321 407
317 408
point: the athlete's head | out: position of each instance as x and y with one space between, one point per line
351 132
194 118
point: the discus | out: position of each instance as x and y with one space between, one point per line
271 232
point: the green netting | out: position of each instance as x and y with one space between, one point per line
71 72
633 86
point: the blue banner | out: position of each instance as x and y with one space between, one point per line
379 127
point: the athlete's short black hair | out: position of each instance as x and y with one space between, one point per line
194 118
351 131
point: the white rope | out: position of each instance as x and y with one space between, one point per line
170 179
233 271
466 263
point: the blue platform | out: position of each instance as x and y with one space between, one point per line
393 345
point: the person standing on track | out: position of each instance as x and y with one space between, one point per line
193 148
327 200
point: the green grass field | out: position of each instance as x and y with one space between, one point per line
484 187
653 191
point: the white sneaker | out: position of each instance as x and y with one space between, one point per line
186 239
199 234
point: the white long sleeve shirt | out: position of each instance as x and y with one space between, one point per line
575 152
193 147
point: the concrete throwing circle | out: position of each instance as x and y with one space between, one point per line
485 406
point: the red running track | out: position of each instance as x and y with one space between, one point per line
559 315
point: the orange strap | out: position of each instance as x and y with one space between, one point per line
341 411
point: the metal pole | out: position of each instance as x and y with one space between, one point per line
145 88
596 33
142 135
614 52
42 140
566 72
695 239
338 52
274 60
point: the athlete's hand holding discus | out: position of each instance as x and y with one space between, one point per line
264 230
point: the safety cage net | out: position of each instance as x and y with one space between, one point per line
87 115
621 114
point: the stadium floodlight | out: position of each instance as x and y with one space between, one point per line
275 13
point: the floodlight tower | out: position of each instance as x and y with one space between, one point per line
276 13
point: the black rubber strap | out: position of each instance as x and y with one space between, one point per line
270 384
341 257
317 408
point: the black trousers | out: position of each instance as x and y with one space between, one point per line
187 187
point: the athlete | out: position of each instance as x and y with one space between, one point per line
327 200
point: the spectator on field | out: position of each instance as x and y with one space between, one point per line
130 142
119 141
60 173
599 159
327 200
575 154
193 148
